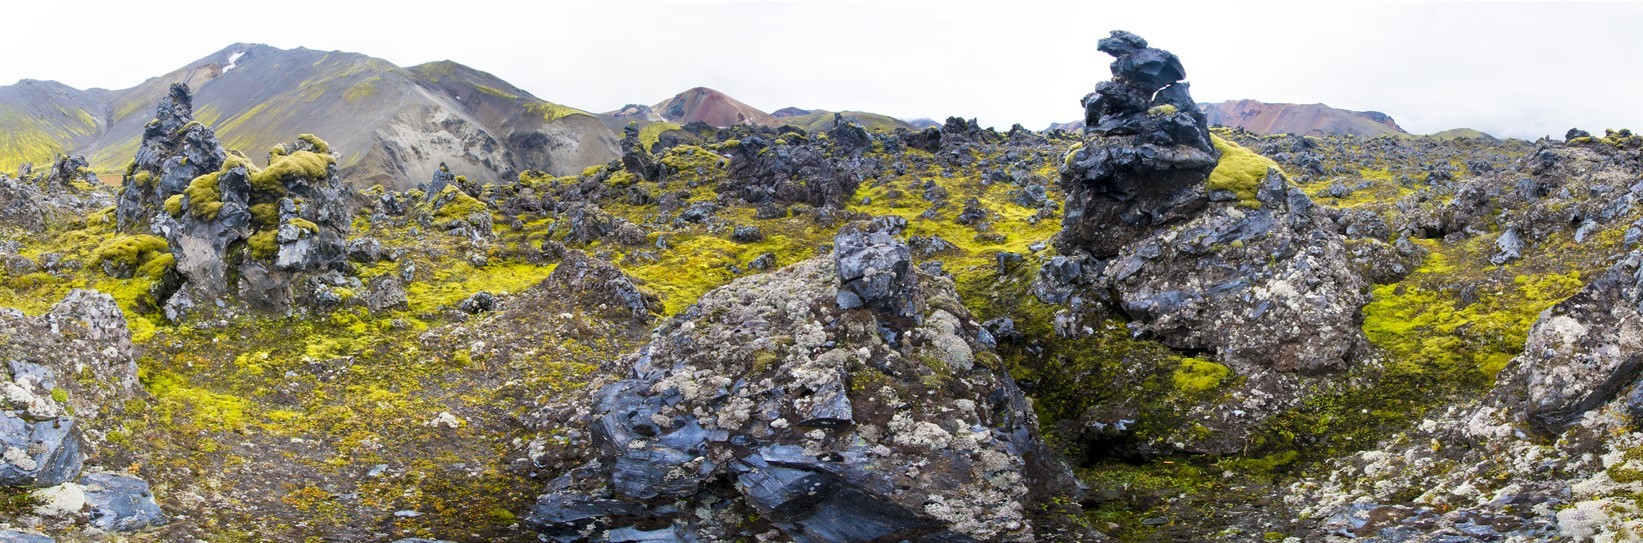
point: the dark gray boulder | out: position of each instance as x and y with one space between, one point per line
1271 286
635 158
876 268
785 172
1581 354
120 503
767 401
14 536
175 149
38 453
479 302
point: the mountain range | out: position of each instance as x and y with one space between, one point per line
391 125
1303 119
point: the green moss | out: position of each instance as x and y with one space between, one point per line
1240 170
493 91
361 90
304 224
552 112
457 204
59 395
205 409
265 215
130 251
1198 375
143 179
17 502
204 196
1159 111
1428 330
319 145
651 133
174 206
263 244
295 166
156 267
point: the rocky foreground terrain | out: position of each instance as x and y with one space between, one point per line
1148 330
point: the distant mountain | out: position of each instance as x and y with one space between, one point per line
923 123
391 125
1070 126
706 105
1304 119
715 108
1463 133
820 119
792 112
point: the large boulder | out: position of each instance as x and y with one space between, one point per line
635 158
769 407
85 342
1582 353
1270 286
59 372
787 171
37 452
1239 267
120 503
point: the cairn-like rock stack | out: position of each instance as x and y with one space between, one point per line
1146 155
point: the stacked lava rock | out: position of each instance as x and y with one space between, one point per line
1146 155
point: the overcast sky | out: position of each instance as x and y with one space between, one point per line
1513 69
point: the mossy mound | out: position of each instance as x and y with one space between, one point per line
133 252
1240 170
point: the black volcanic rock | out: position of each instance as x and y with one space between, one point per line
876 268
635 158
1262 282
787 171
174 151
848 135
1146 153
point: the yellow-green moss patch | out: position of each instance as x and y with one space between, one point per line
1240 170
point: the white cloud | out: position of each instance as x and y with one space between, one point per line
1517 69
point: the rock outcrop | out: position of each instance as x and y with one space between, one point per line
790 169
1258 276
876 269
1552 452
69 191
1585 352
769 409
1242 266
64 376
604 282
175 150
235 230
635 158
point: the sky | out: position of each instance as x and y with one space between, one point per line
1511 69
